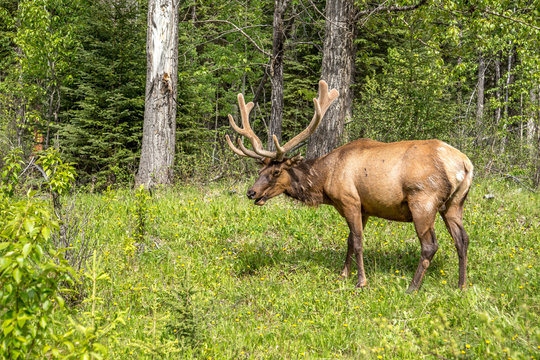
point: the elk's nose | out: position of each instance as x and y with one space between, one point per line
250 194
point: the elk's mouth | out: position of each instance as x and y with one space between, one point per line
261 201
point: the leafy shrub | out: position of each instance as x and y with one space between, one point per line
91 331
9 175
31 272
59 176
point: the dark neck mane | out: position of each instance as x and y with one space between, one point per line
306 184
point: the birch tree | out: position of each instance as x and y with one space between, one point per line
159 128
480 88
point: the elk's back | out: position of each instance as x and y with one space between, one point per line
386 176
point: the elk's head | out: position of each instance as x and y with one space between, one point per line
274 177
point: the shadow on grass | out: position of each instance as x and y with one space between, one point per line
375 261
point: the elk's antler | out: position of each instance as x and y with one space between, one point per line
321 105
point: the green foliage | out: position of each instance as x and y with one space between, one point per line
168 342
7 28
302 73
33 275
30 276
10 171
181 325
92 331
74 71
59 176
215 64
409 99
46 47
45 38
103 105
142 196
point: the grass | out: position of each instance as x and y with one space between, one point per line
214 277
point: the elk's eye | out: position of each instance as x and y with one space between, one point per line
276 173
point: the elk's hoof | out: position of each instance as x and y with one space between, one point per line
411 290
361 284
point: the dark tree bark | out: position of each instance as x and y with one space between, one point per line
159 129
275 70
338 71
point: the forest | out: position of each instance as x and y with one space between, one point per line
106 255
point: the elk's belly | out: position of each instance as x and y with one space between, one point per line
395 212
384 200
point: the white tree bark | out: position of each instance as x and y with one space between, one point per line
159 129
532 124
480 97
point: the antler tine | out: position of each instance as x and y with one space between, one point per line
247 132
280 151
234 148
326 98
248 152
321 105
245 109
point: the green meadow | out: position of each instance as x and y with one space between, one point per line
201 272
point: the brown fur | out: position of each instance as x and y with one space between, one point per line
402 181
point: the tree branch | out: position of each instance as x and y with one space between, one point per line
237 29
381 8
261 85
487 11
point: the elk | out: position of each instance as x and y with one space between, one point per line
408 181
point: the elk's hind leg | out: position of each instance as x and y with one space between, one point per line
424 212
453 218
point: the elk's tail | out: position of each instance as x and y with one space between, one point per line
464 181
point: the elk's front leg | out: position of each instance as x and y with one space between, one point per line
350 249
355 243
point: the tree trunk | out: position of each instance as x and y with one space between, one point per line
19 105
532 121
536 177
338 71
498 89
480 93
159 129
276 70
506 100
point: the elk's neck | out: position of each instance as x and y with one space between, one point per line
307 182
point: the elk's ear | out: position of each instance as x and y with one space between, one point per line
264 161
292 162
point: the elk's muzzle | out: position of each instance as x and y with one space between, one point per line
259 200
